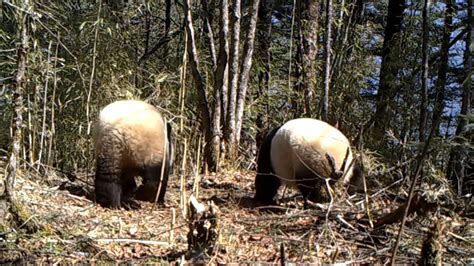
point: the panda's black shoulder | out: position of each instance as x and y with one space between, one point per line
267 142
263 160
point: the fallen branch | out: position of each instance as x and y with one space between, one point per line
138 241
418 204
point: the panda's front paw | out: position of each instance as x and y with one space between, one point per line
130 205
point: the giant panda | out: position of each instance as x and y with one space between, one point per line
302 153
130 139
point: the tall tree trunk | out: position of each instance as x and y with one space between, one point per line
468 62
344 42
327 67
229 130
223 60
167 16
245 69
167 27
210 33
220 82
200 85
458 164
143 71
264 33
443 66
424 75
307 17
389 67
18 105
13 212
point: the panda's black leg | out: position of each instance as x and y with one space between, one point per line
108 188
266 188
108 194
147 191
129 186
306 190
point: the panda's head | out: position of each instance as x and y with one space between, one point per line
355 182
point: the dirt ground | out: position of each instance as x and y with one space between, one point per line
75 229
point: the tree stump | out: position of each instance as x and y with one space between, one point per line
432 249
202 222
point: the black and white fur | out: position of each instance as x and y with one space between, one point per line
131 139
302 153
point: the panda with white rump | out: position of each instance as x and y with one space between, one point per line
303 153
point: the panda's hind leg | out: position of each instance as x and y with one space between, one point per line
108 188
108 185
129 187
266 188
308 183
151 180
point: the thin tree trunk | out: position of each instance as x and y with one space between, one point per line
246 66
233 77
167 16
389 68
424 75
94 58
457 165
210 33
52 135
143 80
468 61
220 82
443 66
13 212
310 27
346 36
163 40
223 59
18 105
199 83
307 17
42 152
264 33
327 67
294 101
147 29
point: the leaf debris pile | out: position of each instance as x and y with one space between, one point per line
75 229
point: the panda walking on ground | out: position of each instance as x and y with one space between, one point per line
302 153
131 139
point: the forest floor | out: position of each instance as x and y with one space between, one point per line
75 229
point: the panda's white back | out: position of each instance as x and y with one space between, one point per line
121 109
138 125
306 140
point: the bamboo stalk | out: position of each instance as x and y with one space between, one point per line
182 94
182 184
45 107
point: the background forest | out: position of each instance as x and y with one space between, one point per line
394 76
